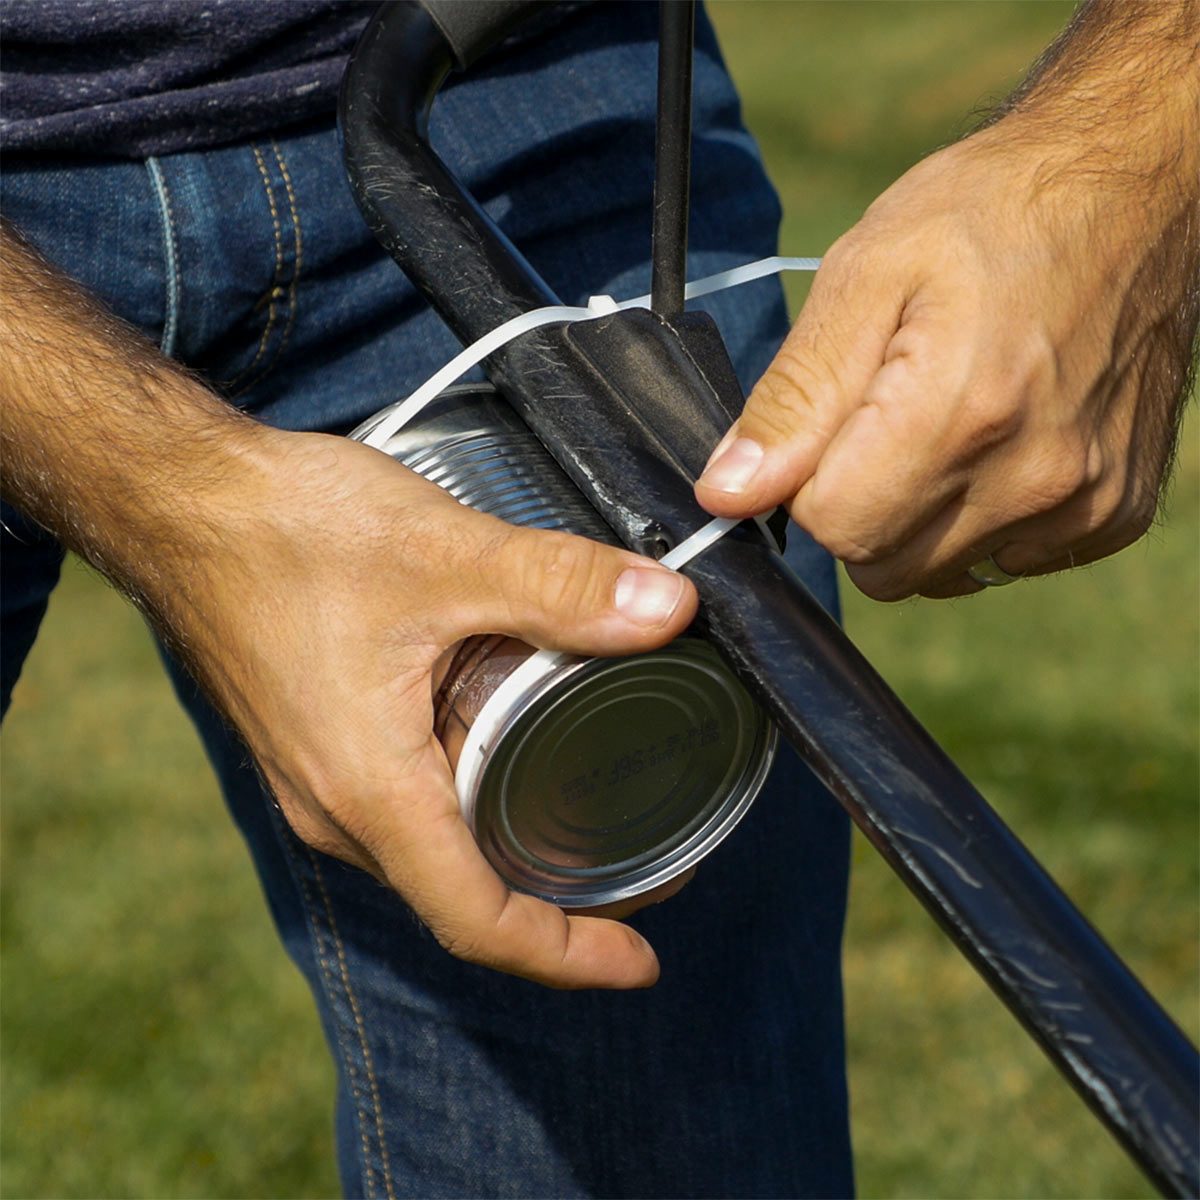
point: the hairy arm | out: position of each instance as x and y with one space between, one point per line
106 443
994 360
312 585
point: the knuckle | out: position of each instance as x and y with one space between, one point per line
463 944
848 549
1029 368
459 580
474 540
369 824
1062 479
457 943
845 544
799 384
401 533
1095 467
560 575
1055 477
990 417
786 390
826 518
1108 503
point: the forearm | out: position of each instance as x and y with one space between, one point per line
1117 96
105 442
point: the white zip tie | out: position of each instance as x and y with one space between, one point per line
395 417
398 415
699 541
734 277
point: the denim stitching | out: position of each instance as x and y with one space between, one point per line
171 252
358 1021
272 294
312 909
299 243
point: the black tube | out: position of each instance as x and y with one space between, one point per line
1107 1035
672 155
413 205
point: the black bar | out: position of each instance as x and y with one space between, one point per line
672 155
1095 1021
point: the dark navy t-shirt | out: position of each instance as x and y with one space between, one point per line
130 78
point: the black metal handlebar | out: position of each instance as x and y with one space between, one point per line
655 392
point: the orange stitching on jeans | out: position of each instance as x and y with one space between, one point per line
358 1021
271 295
313 909
299 240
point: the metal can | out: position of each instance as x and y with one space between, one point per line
586 781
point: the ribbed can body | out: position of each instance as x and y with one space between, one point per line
473 445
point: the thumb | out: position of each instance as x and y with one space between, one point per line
817 379
563 592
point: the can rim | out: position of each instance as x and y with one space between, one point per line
524 685
521 692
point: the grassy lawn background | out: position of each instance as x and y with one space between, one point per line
157 1043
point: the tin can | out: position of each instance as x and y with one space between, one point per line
586 781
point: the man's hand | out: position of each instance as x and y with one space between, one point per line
311 584
316 616
992 361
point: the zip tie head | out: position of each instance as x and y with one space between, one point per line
601 306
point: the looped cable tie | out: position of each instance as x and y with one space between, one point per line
398 415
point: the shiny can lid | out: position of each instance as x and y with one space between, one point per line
608 777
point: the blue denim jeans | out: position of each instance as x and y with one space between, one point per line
251 265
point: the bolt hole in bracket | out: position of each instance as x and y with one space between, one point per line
633 449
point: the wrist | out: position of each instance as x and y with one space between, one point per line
176 529
1098 215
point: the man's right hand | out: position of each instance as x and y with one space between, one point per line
311 584
329 584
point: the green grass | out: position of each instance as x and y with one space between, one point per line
157 1043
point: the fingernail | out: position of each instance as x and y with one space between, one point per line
648 596
735 467
719 448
